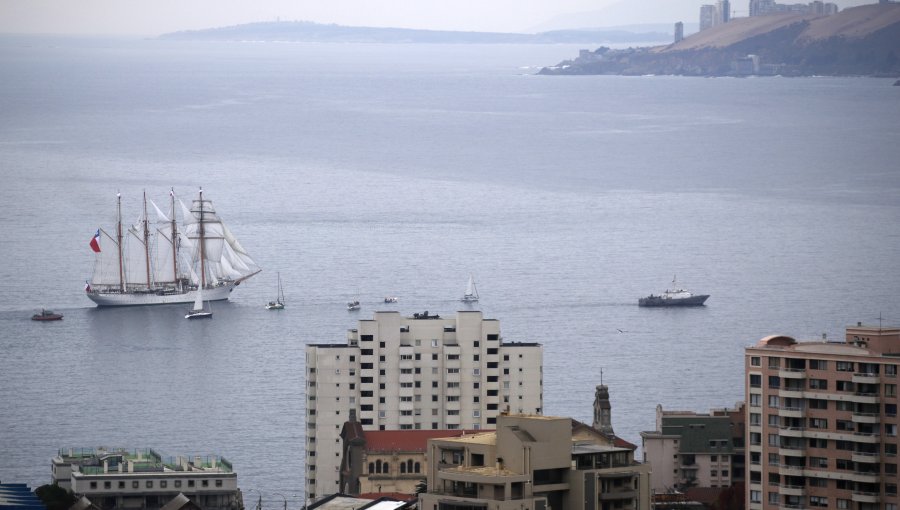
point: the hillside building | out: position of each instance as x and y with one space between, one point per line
822 421
413 373
119 478
535 463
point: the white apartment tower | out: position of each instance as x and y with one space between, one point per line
419 372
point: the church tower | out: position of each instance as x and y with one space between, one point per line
603 411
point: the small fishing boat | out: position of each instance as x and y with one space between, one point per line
390 299
46 315
278 304
353 305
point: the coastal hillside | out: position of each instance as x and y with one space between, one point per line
861 40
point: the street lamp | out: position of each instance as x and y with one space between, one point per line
258 502
282 497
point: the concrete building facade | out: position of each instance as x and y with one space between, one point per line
119 478
690 449
822 421
413 373
535 463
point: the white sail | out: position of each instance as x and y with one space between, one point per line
106 263
135 255
470 288
198 301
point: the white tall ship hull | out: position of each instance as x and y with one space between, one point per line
218 293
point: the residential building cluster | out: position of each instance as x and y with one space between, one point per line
721 12
442 414
763 7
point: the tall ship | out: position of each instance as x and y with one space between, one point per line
164 262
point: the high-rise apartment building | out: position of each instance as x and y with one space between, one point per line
707 16
408 373
822 421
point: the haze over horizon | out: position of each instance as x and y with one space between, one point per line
138 18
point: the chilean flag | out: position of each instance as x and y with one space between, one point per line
95 242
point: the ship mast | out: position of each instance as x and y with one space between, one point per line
146 240
202 246
174 239
119 240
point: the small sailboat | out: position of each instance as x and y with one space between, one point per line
198 312
471 295
278 304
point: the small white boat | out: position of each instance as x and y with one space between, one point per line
471 295
198 312
390 299
278 304
353 305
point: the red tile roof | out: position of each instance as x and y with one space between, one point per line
408 440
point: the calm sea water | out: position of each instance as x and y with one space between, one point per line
377 170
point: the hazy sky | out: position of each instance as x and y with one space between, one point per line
153 17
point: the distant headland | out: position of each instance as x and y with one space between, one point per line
859 41
306 31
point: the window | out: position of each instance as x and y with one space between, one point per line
844 504
756 496
774 362
818 364
755 438
135 484
754 361
818 501
434 342
107 485
121 484
773 401
773 498
844 366
844 386
890 390
755 381
755 419
219 482
890 370
177 483
818 423
476 414
818 462
163 484
754 399
190 483
774 381
818 384
817 403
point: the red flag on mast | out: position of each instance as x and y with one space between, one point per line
95 242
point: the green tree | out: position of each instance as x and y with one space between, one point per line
55 497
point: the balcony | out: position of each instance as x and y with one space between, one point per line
792 490
791 393
792 373
865 378
618 495
866 418
791 431
792 451
790 412
864 398
866 458
866 497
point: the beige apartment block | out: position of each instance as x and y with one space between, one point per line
535 463
412 373
822 421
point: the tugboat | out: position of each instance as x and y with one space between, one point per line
46 315
674 297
